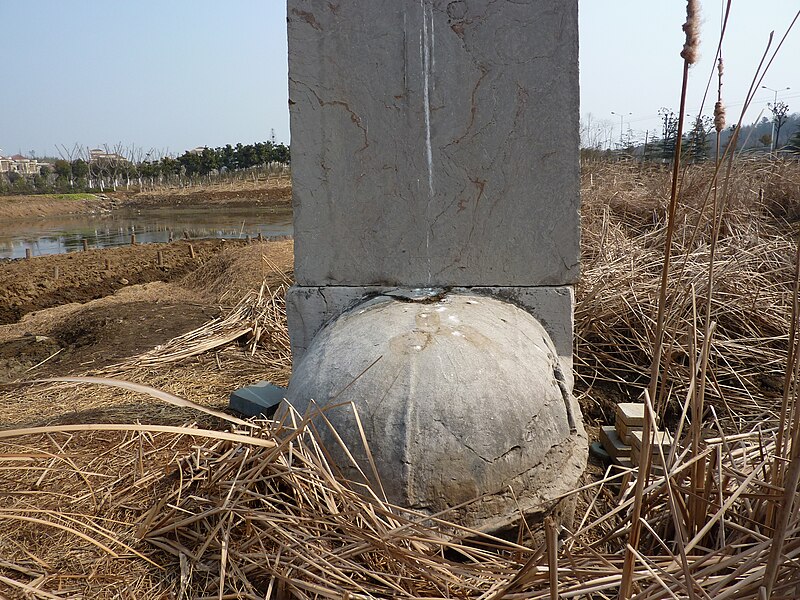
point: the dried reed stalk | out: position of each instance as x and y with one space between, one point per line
264 514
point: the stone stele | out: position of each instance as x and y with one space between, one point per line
434 143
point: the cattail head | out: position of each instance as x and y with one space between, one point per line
692 30
719 107
719 116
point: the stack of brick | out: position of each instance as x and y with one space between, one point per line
623 441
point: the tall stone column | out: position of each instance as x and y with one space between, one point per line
434 156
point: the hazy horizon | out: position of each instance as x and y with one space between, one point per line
177 75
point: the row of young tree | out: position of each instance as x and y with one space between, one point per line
767 135
81 169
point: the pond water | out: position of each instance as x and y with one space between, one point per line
55 235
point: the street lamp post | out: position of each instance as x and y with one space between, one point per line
621 125
774 145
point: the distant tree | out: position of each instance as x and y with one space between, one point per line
281 154
19 184
246 156
209 161
191 163
766 139
80 168
170 166
151 169
39 182
669 133
780 111
67 155
227 157
697 138
650 146
263 152
63 169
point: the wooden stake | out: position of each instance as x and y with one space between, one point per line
108 265
27 253
160 256
85 244
133 239
55 272
191 251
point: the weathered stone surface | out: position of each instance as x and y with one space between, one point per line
434 142
309 308
459 397
552 306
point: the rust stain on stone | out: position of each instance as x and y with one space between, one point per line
308 17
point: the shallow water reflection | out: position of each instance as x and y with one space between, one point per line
55 235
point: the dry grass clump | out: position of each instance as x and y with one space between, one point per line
781 185
67 507
624 227
259 316
260 513
236 271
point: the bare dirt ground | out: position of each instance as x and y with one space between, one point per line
91 316
20 207
275 191
263 192
47 281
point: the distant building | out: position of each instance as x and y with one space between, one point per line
99 155
20 164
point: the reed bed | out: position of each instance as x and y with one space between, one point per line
221 509
218 508
624 229
259 512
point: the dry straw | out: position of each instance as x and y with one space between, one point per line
262 513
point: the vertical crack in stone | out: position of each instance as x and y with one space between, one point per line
426 44
565 394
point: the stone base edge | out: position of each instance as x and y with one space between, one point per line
308 309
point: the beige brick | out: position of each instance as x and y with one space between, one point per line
661 438
612 443
631 413
624 431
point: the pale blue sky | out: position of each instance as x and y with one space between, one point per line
630 58
174 74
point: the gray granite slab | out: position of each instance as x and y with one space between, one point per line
434 143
